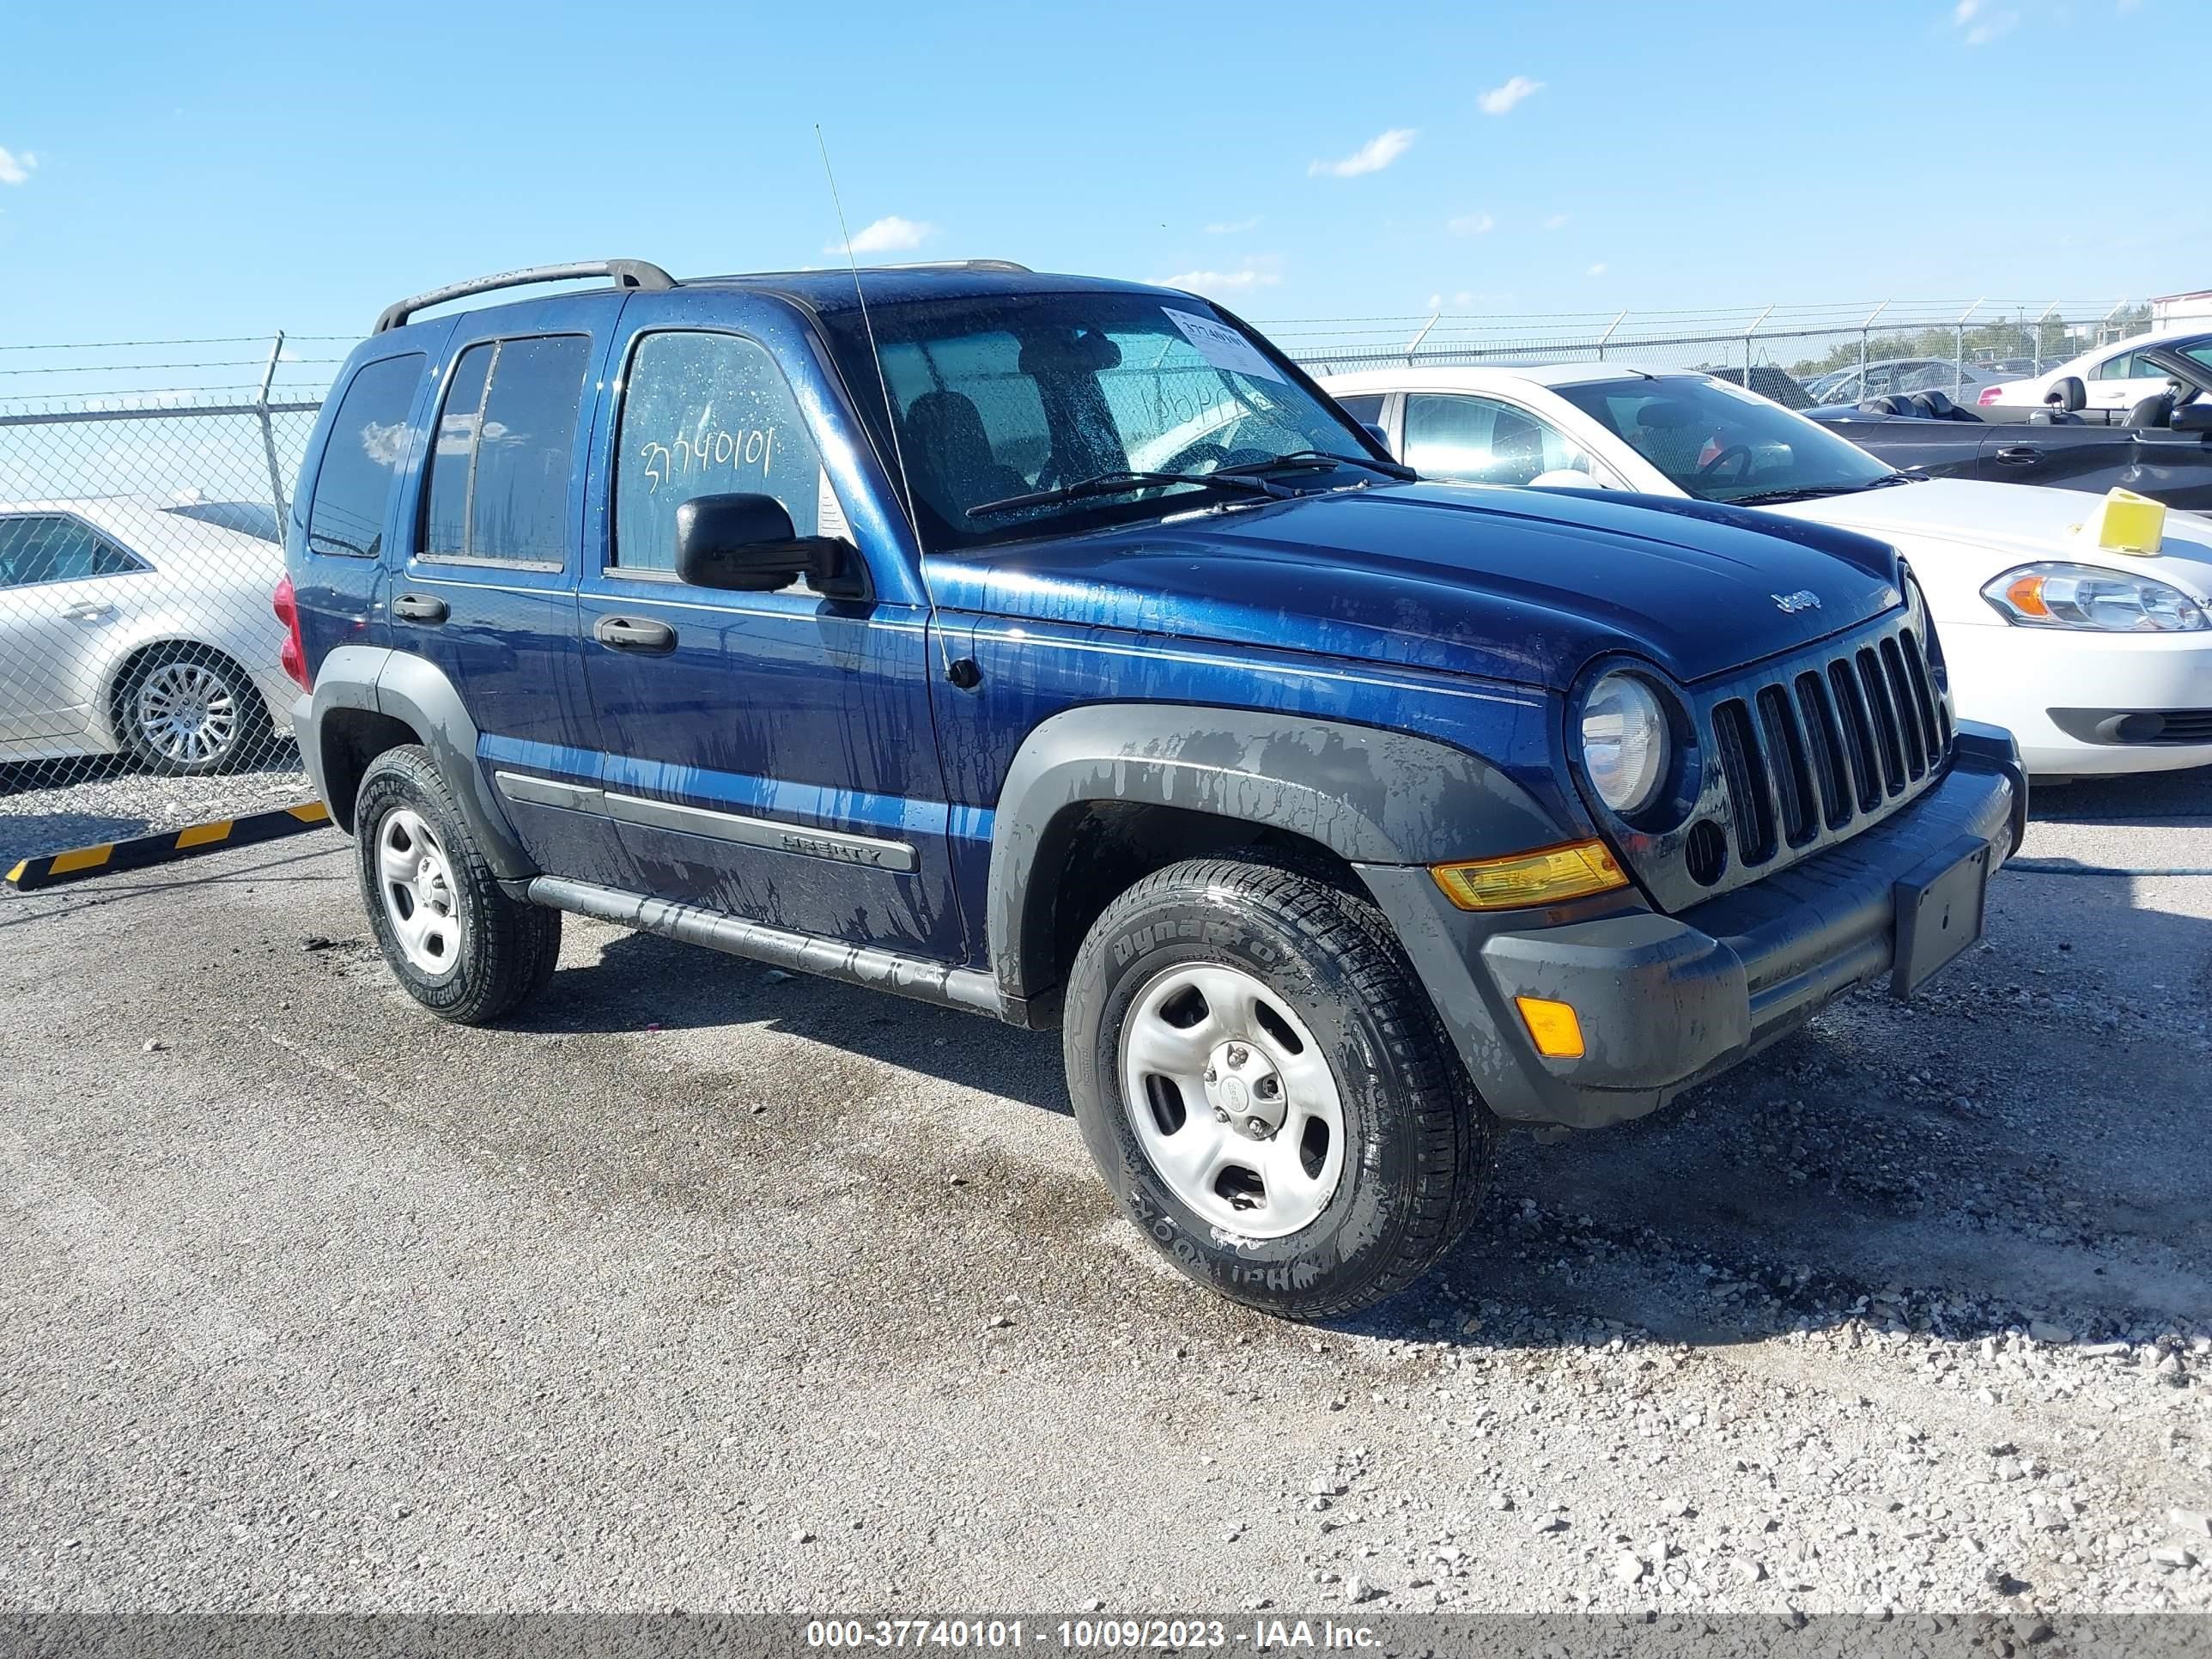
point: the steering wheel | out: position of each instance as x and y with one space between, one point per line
1187 458
1740 453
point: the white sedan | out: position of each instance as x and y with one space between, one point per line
2112 375
136 624
2098 662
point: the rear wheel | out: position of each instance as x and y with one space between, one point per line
188 710
1262 1082
451 935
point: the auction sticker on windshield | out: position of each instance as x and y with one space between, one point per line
1223 346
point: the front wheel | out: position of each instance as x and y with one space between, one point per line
1263 1084
451 935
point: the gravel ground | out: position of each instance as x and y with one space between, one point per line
46 806
704 1286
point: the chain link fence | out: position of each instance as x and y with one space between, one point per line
1799 356
140 541
141 499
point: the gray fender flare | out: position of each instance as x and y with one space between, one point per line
1370 796
416 693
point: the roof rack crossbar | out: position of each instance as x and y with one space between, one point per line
626 273
957 265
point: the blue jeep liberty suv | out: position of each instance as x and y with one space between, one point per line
1052 648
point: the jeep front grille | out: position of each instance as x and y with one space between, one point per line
1823 744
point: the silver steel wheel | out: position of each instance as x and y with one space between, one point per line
1232 1100
186 713
416 881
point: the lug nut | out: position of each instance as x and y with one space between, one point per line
1220 1116
1239 1055
1271 1085
1212 1075
1258 1126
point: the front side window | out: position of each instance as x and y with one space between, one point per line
360 463
52 547
710 415
505 450
999 396
1481 441
1719 443
1365 407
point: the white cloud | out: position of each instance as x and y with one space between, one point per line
890 234
1557 220
1500 101
17 169
1471 224
1246 277
1233 227
1597 270
1980 24
1372 156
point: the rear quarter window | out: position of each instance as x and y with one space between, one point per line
352 500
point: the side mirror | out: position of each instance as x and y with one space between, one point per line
746 543
1381 438
2192 418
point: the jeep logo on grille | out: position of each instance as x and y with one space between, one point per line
1790 604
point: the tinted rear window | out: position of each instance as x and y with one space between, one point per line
499 473
361 464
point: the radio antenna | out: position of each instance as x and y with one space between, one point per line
962 674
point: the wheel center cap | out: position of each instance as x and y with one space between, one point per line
1244 1090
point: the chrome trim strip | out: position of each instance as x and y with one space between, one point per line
775 833
548 792
857 964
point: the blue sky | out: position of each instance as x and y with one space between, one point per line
179 170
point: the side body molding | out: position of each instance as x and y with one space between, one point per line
1370 796
414 691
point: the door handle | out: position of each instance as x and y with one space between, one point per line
89 611
2018 454
420 608
633 634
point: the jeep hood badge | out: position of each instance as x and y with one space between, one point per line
1790 604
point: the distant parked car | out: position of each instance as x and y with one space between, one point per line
1960 383
2099 662
140 625
2163 449
2119 375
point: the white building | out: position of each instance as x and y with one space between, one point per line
2175 310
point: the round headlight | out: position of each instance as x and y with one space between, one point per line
1625 743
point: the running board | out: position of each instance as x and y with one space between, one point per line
805 953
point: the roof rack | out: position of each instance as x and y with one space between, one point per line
959 264
626 273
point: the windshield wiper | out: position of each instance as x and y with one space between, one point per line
1318 458
1114 483
1813 492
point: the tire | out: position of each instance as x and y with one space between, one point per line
187 710
451 935
1296 980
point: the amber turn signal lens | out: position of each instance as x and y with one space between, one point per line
1556 1031
2027 597
1546 877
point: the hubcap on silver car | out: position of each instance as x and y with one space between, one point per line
187 713
416 881
1232 1100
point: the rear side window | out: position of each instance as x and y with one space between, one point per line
710 415
368 440
52 547
501 468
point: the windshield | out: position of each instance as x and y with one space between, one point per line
1000 397
1720 443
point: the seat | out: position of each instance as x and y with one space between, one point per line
2156 410
950 454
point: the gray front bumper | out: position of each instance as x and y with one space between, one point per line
1666 1002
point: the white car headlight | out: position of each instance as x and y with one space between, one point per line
1625 743
2088 597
